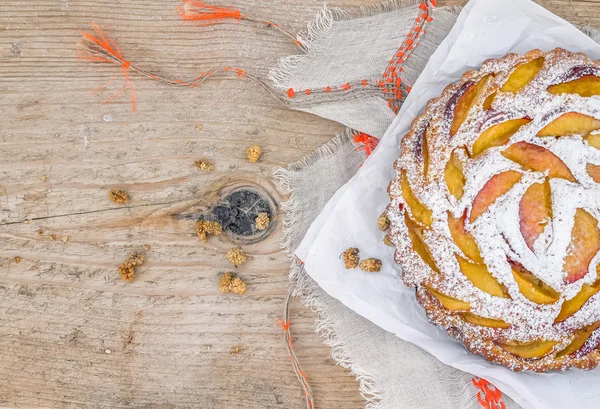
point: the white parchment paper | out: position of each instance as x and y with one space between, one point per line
485 29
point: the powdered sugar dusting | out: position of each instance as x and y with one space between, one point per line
497 231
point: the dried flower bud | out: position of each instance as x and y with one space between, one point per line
237 286
17 260
205 227
224 282
253 153
204 165
127 269
351 258
387 240
370 265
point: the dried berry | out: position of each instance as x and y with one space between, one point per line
262 221
118 196
370 265
205 227
224 282
146 247
235 350
17 260
383 223
127 269
387 240
65 239
53 237
253 153
44 178
237 256
237 286
204 165
198 127
351 258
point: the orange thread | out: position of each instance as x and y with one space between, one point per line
283 324
423 6
112 55
291 93
194 10
307 92
489 397
364 82
346 86
368 143
327 89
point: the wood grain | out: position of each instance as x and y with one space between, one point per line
72 334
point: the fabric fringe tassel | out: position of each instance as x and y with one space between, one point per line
99 48
202 13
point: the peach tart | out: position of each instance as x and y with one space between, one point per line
495 206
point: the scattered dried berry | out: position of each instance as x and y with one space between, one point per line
262 221
65 239
118 196
237 286
44 178
228 282
17 260
383 223
387 240
198 127
351 258
370 265
53 237
253 153
237 256
127 269
235 350
205 227
146 247
40 231
2 190
204 165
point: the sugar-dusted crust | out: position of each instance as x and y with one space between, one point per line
496 231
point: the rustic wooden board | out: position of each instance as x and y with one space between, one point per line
72 334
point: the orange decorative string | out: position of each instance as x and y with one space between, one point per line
488 396
202 13
285 324
97 47
367 143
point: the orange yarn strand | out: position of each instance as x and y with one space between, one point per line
199 12
489 396
99 48
368 143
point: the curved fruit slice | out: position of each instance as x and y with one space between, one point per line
484 322
415 234
465 102
425 150
487 104
529 350
593 140
481 277
573 305
534 157
594 172
523 75
586 86
450 303
581 335
497 186
585 243
535 210
421 213
571 123
463 239
532 287
454 176
498 135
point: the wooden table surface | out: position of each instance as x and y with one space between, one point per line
72 333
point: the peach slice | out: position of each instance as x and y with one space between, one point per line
463 239
532 287
482 321
534 157
571 123
415 234
465 102
480 276
454 176
425 150
498 135
497 186
593 140
487 104
535 210
573 305
419 212
450 303
594 172
586 86
581 335
529 350
523 75
585 243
